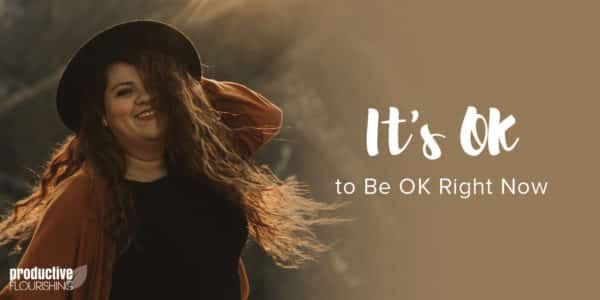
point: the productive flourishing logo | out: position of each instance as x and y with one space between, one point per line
47 279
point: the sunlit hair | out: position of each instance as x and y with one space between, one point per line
280 213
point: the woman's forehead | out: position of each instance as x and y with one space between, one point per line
119 72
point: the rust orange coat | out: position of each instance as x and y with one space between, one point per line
71 231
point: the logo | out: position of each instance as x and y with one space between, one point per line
47 279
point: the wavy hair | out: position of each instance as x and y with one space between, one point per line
280 214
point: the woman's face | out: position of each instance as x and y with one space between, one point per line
129 108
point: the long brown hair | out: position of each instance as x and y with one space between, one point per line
280 213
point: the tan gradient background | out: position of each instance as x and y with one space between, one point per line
537 60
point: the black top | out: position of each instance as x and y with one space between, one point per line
186 246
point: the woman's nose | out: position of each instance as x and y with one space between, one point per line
143 98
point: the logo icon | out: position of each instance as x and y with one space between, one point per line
79 276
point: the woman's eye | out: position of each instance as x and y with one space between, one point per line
123 92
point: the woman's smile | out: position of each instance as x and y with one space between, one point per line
146 115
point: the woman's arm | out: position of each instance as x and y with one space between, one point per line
256 121
251 114
55 242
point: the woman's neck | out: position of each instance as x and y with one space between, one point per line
145 169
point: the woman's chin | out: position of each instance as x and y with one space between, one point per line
150 135
153 137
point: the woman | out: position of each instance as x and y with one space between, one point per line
156 192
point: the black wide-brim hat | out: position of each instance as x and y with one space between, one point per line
96 53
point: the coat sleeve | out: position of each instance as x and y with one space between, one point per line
244 284
54 242
252 116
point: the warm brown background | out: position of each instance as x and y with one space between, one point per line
325 63
537 60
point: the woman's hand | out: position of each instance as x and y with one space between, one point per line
256 119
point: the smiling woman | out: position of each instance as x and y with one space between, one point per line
156 192
129 110
131 115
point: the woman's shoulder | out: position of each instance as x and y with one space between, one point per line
81 193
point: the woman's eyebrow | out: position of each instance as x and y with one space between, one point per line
121 83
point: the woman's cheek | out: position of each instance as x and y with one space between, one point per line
120 111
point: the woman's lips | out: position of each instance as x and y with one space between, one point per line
146 115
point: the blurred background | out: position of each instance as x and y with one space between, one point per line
324 63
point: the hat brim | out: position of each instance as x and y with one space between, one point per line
96 52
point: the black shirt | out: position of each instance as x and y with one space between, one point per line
186 246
